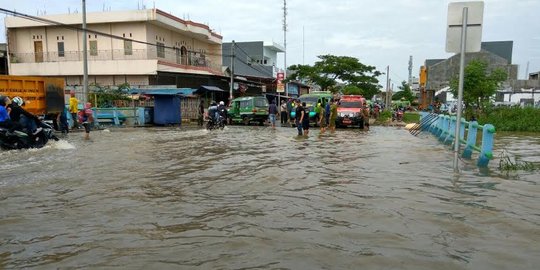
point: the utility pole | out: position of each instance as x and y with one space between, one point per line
285 45
85 56
232 73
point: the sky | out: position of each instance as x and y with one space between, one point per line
379 33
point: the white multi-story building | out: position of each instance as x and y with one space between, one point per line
155 43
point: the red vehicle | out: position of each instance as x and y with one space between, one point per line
350 111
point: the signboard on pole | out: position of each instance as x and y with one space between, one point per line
280 85
455 24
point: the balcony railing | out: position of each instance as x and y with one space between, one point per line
188 59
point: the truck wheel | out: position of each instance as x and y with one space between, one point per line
245 120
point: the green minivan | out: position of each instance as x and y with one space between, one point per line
245 110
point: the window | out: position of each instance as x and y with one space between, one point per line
160 49
128 47
93 47
61 49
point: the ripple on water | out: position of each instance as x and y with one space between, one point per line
253 197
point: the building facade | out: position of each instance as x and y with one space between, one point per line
496 54
256 61
135 47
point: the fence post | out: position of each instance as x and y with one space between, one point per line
462 128
115 117
488 134
471 139
451 130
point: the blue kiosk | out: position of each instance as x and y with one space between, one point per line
166 104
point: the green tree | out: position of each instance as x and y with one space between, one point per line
405 93
479 85
104 97
351 90
331 70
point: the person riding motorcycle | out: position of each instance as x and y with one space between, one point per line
222 110
5 119
23 117
213 113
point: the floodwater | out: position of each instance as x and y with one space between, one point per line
256 198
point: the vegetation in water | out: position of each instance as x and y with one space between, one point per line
512 118
508 164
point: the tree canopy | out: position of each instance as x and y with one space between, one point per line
405 93
479 85
331 70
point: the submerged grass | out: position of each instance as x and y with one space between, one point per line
508 164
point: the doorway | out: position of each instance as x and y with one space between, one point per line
38 51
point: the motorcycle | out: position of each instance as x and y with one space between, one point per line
397 115
21 140
213 124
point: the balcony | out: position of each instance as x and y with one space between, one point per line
187 60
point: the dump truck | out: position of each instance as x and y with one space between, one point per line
43 96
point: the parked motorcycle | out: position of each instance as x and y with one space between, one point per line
21 140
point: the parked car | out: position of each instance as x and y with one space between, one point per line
245 110
350 111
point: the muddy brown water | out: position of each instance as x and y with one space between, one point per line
256 198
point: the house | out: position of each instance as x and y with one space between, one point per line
256 63
138 47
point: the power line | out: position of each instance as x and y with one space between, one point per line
76 28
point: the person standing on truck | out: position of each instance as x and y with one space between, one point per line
73 109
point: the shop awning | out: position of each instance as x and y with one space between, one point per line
207 88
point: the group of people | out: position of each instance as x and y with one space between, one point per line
325 115
84 117
14 117
216 112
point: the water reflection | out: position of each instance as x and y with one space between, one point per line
252 197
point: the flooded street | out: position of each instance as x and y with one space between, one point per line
256 198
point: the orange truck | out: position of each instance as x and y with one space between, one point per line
350 112
42 95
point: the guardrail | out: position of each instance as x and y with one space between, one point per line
444 127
